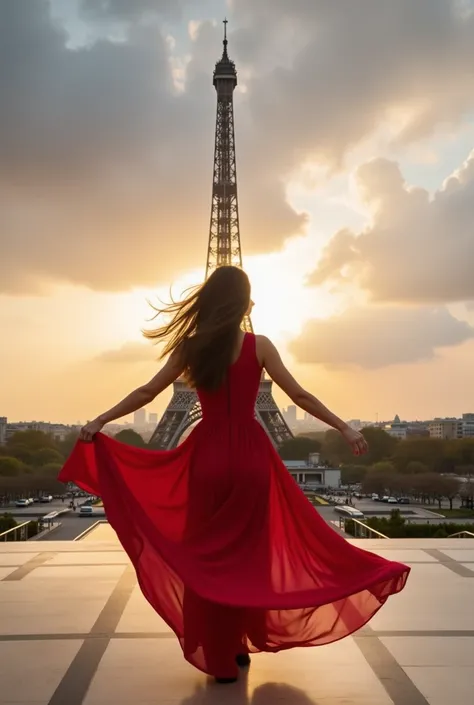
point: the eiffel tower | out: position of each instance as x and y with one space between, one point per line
223 249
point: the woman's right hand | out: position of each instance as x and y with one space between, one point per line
88 431
356 440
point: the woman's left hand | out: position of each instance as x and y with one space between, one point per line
90 429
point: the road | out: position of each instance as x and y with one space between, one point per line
411 512
72 526
35 510
71 523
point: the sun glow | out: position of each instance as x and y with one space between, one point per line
282 300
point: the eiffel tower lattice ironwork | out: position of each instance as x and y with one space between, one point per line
223 249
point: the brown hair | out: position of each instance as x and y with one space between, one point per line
205 325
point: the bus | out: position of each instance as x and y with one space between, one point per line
349 512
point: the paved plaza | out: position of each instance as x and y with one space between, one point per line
75 629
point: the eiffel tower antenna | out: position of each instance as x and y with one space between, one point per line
224 248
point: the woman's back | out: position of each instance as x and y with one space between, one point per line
235 399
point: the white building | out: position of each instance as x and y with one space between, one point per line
466 426
397 429
310 472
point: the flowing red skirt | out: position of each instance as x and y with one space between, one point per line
227 549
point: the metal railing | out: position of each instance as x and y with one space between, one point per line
361 530
16 533
21 531
462 535
90 528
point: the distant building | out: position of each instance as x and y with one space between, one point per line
466 426
139 418
111 429
443 428
3 430
58 431
418 429
290 417
311 473
153 419
397 429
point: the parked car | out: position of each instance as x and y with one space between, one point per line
86 511
22 503
46 498
403 500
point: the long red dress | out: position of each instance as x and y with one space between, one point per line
226 547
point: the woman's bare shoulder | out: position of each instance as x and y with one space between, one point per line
263 346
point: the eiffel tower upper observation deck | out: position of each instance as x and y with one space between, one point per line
224 248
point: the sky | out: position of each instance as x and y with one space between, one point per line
355 161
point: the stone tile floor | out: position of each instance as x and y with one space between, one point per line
75 629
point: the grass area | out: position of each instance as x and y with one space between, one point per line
454 513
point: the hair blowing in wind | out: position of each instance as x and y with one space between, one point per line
204 327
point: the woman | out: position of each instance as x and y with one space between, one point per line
226 547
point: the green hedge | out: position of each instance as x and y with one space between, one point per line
396 527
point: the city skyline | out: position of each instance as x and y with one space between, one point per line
355 186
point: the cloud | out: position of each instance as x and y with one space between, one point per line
129 353
124 10
105 167
375 337
105 170
343 68
417 249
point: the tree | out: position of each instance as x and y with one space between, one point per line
375 482
50 470
130 437
381 445
34 440
383 466
314 435
437 487
429 451
67 444
10 467
451 488
353 474
45 456
21 452
467 494
414 467
298 448
7 521
335 450
462 451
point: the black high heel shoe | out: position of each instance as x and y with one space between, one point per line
226 680
242 660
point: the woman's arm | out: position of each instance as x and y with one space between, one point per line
270 359
137 399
